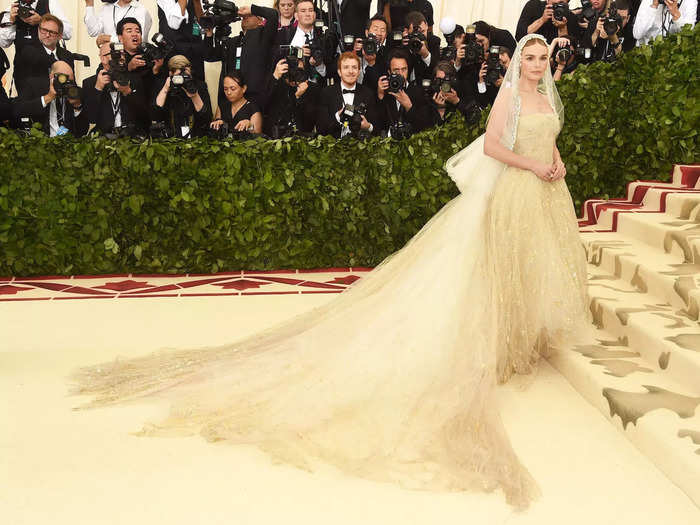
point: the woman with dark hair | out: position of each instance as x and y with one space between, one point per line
235 110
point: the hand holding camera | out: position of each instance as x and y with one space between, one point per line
24 11
281 69
403 99
136 63
103 80
548 14
302 88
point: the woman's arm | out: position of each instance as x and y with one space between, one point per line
257 122
492 141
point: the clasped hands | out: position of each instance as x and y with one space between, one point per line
550 172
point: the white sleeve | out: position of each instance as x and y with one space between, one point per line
147 23
56 10
321 68
93 22
646 16
689 9
7 34
426 60
173 13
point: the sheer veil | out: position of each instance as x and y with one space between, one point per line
466 166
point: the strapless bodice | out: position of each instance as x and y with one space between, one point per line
536 136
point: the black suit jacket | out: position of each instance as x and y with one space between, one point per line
29 105
419 67
503 38
179 111
5 107
332 101
33 61
353 16
135 108
416 116
256 54
283 106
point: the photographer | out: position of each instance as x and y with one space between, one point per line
105 23
401 105
656 17
23 31
129 35
394 12
374 64
182 107
538 17
287 22
116 103
178 21
54 101
34 60
236 113
335 116
424 47
491 74
291 108
303 37
608 37
445 97
250 52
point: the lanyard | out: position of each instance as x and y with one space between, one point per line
116 103
114 15
60 116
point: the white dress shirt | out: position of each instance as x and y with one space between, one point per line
173 13
650 22
7 34
105 22
299 40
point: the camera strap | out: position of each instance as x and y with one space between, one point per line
667 20
114 14
60 111
116 103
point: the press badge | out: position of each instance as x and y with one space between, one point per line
196 29
239 52
62 130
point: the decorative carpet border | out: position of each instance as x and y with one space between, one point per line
281 282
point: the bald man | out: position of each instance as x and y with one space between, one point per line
56 113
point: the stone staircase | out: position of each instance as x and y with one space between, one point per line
641 367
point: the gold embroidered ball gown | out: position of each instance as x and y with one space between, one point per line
394 379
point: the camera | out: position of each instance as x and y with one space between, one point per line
560 12
563 55
415 42
401 130
160 49
292 55
218 13
494 68
588 12
24 8
118 71
184 83
159 130
370 44
396 39
349 42
612 21
324 44
396 83
351 116
448 53
473 52
437 85
65 87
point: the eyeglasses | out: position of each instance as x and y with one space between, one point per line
49 32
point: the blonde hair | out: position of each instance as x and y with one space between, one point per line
178 62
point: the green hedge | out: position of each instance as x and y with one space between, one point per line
90 206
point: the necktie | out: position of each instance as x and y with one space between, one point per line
52 56
348 91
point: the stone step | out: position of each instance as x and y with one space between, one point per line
657 414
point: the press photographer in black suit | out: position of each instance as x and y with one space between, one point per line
181 106
57 112
129 34
112 105
178 21
250 52
348 92
374 65
537 17
292 101
35 59
444 102
423 60
401 106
